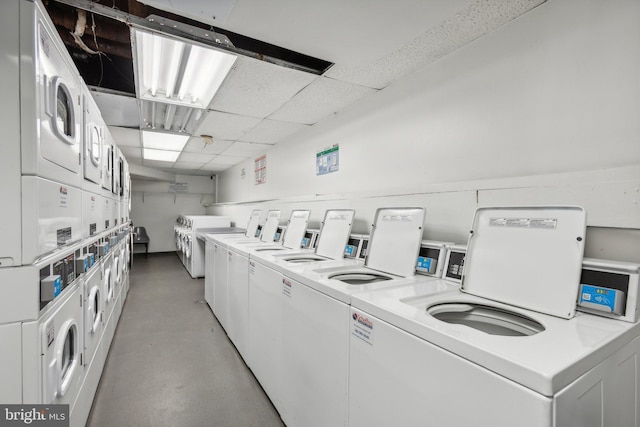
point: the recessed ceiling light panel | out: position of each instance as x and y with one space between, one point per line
161 155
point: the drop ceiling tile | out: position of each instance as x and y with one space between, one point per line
320 99
471 22
226 126
186 165
197 145
125 136
246 149
157 164
131 152
118 110
258 88
215 167
199 158
272 131
228 160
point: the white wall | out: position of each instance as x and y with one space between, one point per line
542 110
154 207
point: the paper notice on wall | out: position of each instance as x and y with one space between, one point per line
261 169
178 187
327 160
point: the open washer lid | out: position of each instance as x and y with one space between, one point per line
529 257
254 220
296 227
395 240
334 233
269 229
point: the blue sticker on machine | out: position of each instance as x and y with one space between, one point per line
57 286
601 298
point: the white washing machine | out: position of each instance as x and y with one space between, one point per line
94 128
193 251
233 300
508 347
331 242
53 343
52 346
205 238
31 294
216 257
303 313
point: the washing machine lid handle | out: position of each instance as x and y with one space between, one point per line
529 257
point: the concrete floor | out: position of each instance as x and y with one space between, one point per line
171 363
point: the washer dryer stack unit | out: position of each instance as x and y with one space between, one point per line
41 330
531 338
193 253
56 208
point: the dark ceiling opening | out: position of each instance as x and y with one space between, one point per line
105 60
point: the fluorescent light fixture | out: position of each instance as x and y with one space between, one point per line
164 141
173 71
170 117
162 155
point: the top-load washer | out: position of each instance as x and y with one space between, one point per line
303 312
508 345
216 256
331 241
231 299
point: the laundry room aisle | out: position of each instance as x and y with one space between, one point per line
171 363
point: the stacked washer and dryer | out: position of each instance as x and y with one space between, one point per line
189 248
65 220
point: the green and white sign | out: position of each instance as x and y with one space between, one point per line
327 160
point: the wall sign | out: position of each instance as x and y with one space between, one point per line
178 187
327 160
261 169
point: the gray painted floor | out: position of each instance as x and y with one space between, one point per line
171 363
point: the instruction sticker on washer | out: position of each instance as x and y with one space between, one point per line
549 223
362 327
286 288
64 197
51 332
403 218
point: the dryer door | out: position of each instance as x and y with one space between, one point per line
107 162
67 356
60 112
92 142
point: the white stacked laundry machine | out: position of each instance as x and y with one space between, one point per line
61 221
190 250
